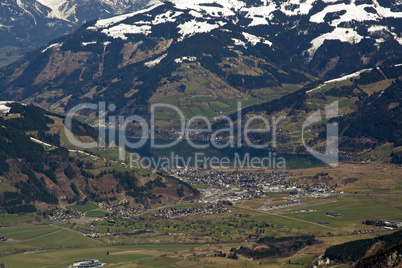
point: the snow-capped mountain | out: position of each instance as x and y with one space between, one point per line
79 11
219 51
27 24
347 21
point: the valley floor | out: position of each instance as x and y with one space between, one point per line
372 192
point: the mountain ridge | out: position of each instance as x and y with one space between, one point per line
26 25
39 169
204 56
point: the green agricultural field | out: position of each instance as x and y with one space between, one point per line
227 227
36 237
162 115
202 98
200 186
115 167
87 207
167 253
196 111
13 219
95 214
162 248
63 238
158 262
186 112
304 260
27 232
353 210
292 266
5 186
316 103
204 94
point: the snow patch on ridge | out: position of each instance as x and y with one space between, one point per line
88 43
239 42
376 28
4 108
113 20
56 45
4 26
155 62
297 7
218 9
347 77
340 79
169 16
342 34
120 31
355 12
255 40
396 37
193 27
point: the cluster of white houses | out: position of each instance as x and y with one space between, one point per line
391 224
87 263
